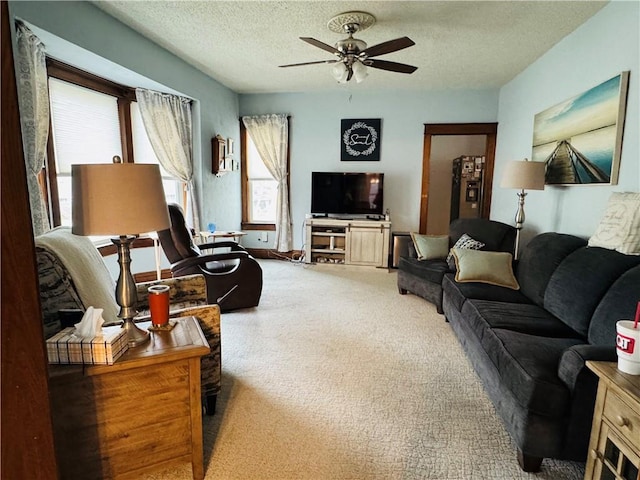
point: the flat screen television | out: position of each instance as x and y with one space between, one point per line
346 193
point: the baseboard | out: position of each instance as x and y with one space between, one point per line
268 253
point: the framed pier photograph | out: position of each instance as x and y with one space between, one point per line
580 139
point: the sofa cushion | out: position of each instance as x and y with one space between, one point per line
539 260
429 270
580 282
493 268
458 293
528 367
619 303
430 247
519 317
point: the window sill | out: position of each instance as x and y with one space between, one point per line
270 227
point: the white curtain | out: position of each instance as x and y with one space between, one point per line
270 134
167 120
33 97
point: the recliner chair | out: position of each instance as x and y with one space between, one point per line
234 278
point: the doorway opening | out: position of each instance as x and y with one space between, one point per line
443 143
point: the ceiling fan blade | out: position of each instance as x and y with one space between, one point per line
319 44
307 63
388 47
391 66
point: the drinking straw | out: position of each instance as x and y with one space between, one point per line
635 322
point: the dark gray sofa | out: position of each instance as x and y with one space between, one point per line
529 346
424 277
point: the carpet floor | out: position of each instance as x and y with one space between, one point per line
337 376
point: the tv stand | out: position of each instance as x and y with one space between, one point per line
350 242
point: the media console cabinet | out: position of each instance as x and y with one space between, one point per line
349 242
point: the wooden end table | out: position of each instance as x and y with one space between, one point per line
142 413
614 449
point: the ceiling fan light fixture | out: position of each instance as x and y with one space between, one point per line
340 72
359 71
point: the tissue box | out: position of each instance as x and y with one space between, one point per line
65 347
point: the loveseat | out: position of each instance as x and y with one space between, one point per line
73 276
529 345
424 277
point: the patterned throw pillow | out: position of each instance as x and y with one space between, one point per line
464 242
619 229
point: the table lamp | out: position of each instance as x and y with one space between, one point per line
523 175
124 199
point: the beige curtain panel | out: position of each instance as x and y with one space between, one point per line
270 134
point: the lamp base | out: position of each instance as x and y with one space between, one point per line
136 335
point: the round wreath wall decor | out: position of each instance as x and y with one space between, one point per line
360 138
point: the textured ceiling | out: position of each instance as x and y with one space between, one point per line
474 44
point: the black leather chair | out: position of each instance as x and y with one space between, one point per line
234 278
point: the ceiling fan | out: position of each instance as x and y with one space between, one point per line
353 56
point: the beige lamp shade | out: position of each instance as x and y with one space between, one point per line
117 199
523 175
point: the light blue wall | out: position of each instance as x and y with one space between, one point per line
216 108
604 46
315 139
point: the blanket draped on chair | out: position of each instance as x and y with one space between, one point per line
81 258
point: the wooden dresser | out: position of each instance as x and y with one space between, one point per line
142 413
614 448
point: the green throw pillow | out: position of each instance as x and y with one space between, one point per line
430 247
481 266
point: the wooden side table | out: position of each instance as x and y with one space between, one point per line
236 236
142 413
614 447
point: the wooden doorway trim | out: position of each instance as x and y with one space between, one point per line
431 129
27 433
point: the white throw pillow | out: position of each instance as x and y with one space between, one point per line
619 229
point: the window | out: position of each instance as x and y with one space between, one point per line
259 188
92 120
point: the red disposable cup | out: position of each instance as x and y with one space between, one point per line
159 304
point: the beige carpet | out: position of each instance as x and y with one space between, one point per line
337 376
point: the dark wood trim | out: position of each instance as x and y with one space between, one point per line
53 197
460 128
488 129
62 71
26 433
244 178
126 130
110 249
270 227
487 181
426 178
151 276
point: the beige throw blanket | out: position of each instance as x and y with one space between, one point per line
84 263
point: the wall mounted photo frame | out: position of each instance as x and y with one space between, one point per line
360 140
580 139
